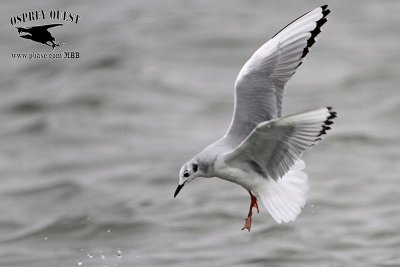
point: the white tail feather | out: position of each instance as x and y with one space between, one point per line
285 198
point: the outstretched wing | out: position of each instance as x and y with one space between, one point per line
45 27
273 147
259 85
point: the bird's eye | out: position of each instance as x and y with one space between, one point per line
195 167
186 174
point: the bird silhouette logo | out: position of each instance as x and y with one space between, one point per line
40 34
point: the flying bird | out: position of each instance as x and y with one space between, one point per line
40 34
262 150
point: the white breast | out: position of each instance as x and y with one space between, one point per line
240 173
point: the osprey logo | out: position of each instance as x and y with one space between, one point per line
40 34
39 26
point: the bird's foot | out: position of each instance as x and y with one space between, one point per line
247 224
253 204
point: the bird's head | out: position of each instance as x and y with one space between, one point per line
189 171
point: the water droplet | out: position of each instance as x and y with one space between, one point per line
45 238
119 253
80 263
90 256
103 257
108 230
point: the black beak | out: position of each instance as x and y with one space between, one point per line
178 189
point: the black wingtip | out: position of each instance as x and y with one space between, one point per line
305 52
333 114
321 22
310 42
317 30
326 12
328 122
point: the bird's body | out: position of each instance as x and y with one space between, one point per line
261 151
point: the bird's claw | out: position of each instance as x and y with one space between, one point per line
247 224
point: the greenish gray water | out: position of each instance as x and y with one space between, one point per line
90 148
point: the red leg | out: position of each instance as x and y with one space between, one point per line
253 204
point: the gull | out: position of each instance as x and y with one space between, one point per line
262 150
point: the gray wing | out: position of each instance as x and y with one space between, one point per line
274 146
260 83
